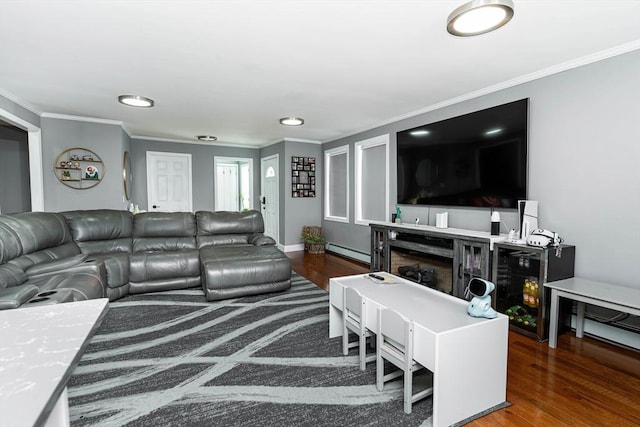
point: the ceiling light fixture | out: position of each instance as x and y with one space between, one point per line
136 101
207 138
292 121
479 17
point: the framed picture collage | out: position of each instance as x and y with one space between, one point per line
303 176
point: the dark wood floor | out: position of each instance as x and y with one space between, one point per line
584 382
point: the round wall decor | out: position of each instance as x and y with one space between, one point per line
79 168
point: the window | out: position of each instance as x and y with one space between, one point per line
372 180
233 184
336 184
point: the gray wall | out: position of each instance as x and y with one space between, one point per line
106 140
584 133
202 169
300 211
15 191
295 212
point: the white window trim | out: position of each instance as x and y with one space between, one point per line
358 149
344 149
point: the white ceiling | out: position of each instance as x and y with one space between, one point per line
233 68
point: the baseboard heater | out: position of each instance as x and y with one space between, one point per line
349 253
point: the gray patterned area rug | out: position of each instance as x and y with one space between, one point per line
172 358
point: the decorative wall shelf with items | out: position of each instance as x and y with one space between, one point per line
79 168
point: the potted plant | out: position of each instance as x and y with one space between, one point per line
313 241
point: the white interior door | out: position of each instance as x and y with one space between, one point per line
227 185
270 197
169 182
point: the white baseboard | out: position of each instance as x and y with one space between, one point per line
291 248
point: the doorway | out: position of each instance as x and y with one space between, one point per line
36 180
233 183
169 182
15 189
269 185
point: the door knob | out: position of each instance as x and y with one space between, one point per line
155 206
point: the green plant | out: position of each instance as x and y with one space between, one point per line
312 238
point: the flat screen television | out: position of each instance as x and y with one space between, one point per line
475 160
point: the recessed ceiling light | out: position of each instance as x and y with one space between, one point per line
493 131
479 17
207 138
136 101
292 121
419 132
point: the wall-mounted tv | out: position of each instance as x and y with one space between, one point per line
475 160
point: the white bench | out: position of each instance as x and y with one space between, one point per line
583 291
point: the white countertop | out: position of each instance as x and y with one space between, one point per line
39 348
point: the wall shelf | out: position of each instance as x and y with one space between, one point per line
79 168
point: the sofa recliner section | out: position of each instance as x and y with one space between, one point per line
58 257
37 254
164 254
105 235
237 258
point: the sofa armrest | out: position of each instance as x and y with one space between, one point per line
15 296
259 239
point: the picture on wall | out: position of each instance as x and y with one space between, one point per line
303 176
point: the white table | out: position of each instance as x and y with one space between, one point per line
39 348
583 291
467 355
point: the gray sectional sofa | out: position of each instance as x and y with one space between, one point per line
48 257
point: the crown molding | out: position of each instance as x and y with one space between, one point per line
565 66
186 141
304 141
11 97
81 119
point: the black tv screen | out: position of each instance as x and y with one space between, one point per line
475 160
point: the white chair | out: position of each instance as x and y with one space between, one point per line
354 318
395 344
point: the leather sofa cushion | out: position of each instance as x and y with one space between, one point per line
148 266
228 228
222 222
162 244
29 232
11 275
229 266
15 296
57 265
164 224
66 250
223 239
101 231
